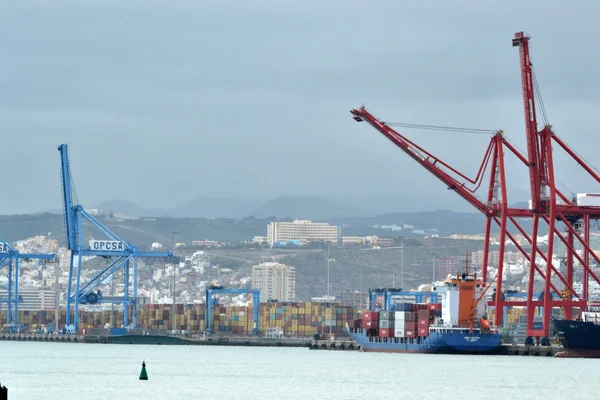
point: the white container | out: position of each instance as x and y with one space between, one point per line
399 315
399 332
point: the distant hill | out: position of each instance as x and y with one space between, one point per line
196 208
214 208
443 222
314 208
122 207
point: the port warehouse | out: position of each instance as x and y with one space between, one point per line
293 319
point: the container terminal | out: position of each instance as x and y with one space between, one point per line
464 320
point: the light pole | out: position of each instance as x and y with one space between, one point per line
433 271
329 286
174 276
328 274
401 264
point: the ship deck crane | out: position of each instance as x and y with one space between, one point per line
548 203
210 302
10 257
111 247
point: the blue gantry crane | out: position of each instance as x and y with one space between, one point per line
9 257
119 253
382 299
210 302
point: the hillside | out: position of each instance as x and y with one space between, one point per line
314 208
351 268
145 231
196 208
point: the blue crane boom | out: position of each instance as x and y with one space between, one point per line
110 247
8 256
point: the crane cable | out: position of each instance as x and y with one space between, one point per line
442 128
540 99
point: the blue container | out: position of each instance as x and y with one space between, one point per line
538 326
117 331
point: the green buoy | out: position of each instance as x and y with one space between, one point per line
143 374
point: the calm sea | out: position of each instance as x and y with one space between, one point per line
57 371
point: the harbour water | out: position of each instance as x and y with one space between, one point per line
59 371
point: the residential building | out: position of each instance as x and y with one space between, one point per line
353 241
34 299
275 281
259 240
448 266
303 231
206 243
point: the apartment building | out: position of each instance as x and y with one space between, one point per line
275 281
34 299
303 231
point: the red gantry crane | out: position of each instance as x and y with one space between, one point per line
547 204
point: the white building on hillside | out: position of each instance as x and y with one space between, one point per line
302 230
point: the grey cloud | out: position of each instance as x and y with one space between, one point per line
164 101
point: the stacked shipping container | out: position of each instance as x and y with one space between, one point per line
408 321
294 319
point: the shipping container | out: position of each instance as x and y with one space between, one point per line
423 331
423 315
371 324
399 315
410 325
399 332
409 334
386 323
370 316
384 315
386 333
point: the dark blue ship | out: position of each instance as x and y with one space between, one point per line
579 338
438 341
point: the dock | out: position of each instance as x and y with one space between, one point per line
26 337
503 350
528 350
160 340
336 345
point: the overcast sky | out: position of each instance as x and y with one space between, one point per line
164 101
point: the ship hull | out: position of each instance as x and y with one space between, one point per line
579 339
436 343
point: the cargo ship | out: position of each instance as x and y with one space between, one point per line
456 325
579 338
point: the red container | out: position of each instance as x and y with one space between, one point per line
410 325
423 331
423 323
386 332
422 306
423 314
409 334
415 307
370 324
370 316
435 306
